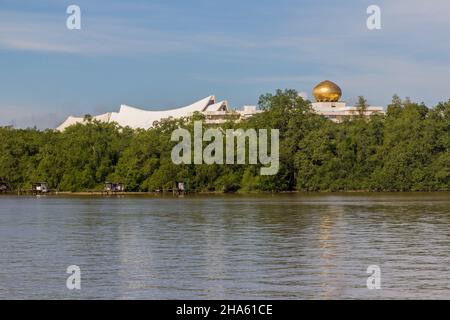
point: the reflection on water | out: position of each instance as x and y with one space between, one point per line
226 247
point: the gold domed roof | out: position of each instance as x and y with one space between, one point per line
327 91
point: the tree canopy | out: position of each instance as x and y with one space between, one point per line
408 149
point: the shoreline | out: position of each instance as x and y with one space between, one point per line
212 193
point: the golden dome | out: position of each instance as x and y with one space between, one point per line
327 91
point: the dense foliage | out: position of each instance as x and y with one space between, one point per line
408 149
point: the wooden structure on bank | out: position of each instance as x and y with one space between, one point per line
40 187
114 187
180 188
3 187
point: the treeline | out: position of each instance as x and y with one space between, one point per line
408 149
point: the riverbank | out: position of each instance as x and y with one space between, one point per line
397 152
216 193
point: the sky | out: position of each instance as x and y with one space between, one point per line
165 54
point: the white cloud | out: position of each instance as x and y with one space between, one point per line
409 56
47 33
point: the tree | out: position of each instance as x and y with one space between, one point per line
407 149
361 106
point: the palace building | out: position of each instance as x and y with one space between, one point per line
136 118
326 93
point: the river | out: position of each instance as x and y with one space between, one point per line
284 246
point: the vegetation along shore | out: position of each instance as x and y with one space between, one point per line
407 149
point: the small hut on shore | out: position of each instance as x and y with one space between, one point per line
180 187
3 186
40 187
112 187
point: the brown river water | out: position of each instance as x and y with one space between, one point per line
284 246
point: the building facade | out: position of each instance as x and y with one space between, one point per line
327 95
136 118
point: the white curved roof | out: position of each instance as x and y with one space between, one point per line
144 119
220 106
69 122
74 120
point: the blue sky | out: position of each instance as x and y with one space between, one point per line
161 54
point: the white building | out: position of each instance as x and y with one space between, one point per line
338 111
214 112
327 95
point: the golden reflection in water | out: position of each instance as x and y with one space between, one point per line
135 256
215 255
328 268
